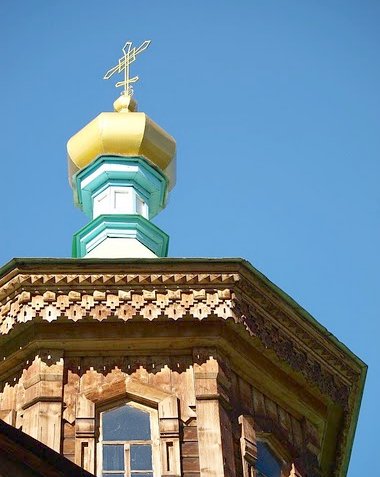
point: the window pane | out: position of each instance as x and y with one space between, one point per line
141 457
115 475
126 423
113 457
144 474
267 463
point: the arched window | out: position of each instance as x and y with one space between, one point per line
126 442
267 464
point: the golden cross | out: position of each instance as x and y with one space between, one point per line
124 64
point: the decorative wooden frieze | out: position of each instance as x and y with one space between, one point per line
22 284
175 304
294 354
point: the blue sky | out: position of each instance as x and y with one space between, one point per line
275 108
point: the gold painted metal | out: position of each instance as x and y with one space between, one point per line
124 65
120 134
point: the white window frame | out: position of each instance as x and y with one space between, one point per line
154 441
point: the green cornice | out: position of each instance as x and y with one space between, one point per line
127 226
150 183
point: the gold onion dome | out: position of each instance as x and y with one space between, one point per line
125 133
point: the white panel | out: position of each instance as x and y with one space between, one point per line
120 248
123 202
102 203
115 200
141 207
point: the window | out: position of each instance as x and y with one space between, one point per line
120 200
126 443
267 464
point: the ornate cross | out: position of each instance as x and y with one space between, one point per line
123 65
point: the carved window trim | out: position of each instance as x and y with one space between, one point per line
248 447
155 435
279 452
123 390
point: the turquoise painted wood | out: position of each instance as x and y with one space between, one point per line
149 183
127 226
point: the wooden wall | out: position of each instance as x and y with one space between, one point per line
199 401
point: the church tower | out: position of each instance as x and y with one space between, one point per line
132 364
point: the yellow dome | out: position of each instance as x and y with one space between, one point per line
125 133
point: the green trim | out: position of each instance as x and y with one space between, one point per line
120 226
150 183
354 421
